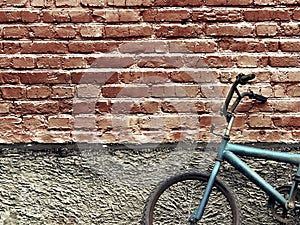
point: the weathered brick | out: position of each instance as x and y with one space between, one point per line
23 63
290 45
59 122
94 31
80 16
13 92
67 3
284 61
93 3
17 3
59 92
126 91
265 29
44 47
125 31
67 32
267 15
15 32
234 30
172 31
158 15
38 92
287 121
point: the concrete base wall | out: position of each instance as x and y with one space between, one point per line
93 184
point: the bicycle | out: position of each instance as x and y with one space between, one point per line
199 198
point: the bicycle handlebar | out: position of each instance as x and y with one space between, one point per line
240 79
243 79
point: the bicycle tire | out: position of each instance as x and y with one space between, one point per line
162 205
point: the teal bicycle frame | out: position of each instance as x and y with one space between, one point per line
230 152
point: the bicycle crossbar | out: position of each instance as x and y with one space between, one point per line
253 176
285 157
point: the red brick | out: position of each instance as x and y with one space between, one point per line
23 63
15 32
4 107
44 47
290 45
49 62
237 30
117 15
38 92
286 106
149 107
220 15
11 47
68 32
9 78
264 2
143 47
261 121
125 31
128 91
293 90
171 31
74 62
218 61
239 2
45 78
81 47
59 122
54 15
67 3
5 62
178 3
205 46
103 106
9 16
215 2
137 2
37 3
60 92
266 29
13 92
17 3
93 3
296 14
267 14
42 31
248 61
157 15
61 137
290 29
287 121
30 16
80 16
91 31
117 2
284 61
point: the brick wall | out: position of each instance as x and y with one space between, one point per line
145 71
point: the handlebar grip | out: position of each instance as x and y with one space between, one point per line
243 79
260 98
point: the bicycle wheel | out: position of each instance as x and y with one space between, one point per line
173 201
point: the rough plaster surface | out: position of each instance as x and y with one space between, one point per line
109 185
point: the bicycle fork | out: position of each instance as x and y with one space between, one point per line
199 211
